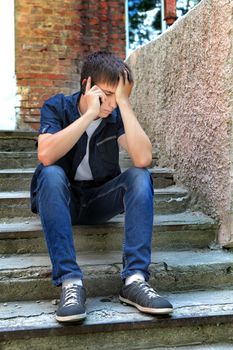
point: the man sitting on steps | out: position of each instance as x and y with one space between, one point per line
79 182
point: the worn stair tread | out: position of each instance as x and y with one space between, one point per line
28 276
18 319
171 199
122 154
222 346
154 170
17 171
15 195
12 154
17 133
181 219
169 259
19 178
171 190
181 231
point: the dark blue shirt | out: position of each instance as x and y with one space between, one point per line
60 111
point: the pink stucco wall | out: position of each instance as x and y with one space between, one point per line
184 98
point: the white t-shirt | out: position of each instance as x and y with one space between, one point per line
83 172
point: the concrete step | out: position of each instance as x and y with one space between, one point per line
169 200
211 346
15 204
28 277
19 179
15 179
125 161
175 231
20 140
199 318
28 159
25 141
13 160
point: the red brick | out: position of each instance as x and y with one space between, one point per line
51 39
33 125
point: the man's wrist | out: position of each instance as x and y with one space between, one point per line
90 115
123 103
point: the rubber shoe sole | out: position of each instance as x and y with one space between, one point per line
71 318
146 309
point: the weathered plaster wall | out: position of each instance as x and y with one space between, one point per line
184 98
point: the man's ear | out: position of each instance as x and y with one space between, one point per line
83 86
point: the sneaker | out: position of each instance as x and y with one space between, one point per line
144 298
72 304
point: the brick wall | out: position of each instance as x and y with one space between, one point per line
51 39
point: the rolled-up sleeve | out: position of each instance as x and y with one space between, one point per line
51 115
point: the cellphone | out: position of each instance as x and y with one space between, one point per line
83 89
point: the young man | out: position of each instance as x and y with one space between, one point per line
79 182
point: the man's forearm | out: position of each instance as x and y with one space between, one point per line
138 143
52 147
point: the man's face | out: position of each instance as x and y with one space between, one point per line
109 104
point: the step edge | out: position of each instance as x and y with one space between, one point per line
57 329
113 258
33 227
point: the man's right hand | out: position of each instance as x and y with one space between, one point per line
93 95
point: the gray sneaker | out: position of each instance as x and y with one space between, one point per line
72 304
144 298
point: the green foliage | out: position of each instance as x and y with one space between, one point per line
137 15
139 33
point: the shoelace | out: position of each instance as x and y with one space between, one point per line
145 287
71 295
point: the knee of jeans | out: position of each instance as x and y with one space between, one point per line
139 177
53 175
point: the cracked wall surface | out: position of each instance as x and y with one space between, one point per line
183 97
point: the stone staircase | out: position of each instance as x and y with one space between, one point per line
187 267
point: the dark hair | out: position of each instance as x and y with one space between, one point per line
104 67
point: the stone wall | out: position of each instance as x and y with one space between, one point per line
184 98
51 39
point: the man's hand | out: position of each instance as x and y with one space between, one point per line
124 88
93 96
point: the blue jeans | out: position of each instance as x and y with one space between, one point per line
62 204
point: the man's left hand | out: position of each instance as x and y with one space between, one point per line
124 88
